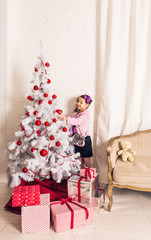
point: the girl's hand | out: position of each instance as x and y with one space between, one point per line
61 116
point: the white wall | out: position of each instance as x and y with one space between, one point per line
3 88
68 31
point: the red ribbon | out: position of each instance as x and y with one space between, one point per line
66 201
47 152
29 154
23 129
60 154
42 62
79 190
43 133
88 172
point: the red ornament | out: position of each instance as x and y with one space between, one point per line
47 124
64 129
27 114
51 138
30 98
45 94
24 170
48 81
38 122
49 102
43 152
58 143
19 142
54 96
35 87
38 131
54 120
36 69
32 149
35 112
59 111
47 64
40 101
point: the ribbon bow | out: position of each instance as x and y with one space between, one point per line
65 200
88 99
88 172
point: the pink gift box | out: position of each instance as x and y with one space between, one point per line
62 216
36 218
90 173
95 202
26 195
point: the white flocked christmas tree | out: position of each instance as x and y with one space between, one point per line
43 147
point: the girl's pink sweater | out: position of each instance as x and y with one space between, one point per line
82 122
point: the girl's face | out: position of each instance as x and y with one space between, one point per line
81 104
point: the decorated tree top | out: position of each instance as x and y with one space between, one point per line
43 147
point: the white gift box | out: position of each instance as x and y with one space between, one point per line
36 218
88 188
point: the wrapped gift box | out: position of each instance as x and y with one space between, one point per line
36 218
99 201
88 188
101 193
90 173
62 216
26 195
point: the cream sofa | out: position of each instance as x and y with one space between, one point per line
133 175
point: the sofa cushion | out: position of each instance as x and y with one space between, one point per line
137 172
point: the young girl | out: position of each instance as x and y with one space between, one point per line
80 123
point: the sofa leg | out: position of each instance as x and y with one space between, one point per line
110 197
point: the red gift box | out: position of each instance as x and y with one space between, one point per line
67 214
36 218
26 195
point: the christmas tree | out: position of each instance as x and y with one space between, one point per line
43 147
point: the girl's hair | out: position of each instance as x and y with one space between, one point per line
87 99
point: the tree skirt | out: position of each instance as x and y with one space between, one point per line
56 190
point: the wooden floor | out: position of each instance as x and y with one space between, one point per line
130 219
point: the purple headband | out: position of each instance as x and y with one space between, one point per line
88 99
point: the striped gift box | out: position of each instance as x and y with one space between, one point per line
26 195
36 218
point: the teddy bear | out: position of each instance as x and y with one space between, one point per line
126 152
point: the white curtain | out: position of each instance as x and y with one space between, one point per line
123 79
